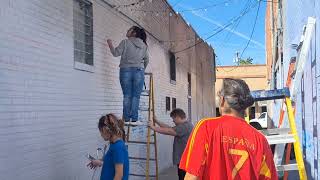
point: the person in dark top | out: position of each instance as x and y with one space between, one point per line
180 131
115 163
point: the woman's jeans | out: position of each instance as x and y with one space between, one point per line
131 80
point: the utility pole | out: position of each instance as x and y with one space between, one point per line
237 58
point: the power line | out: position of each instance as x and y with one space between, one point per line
223 28
207 7
254 25
247 5
185 10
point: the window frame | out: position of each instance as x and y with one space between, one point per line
173 68
83 57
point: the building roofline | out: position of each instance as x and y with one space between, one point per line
251 65
185 22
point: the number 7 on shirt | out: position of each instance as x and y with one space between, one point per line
244 156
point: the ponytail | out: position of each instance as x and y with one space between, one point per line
140 33
114 125
143 36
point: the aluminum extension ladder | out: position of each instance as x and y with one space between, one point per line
279 136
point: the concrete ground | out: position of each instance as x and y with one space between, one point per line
169 174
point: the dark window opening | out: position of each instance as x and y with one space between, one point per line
172 66
217 112
252 112
174 103
167 103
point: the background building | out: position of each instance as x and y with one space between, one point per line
254 75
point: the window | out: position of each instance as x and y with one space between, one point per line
263 115
217 112
174 103
172 67
252 112
83 33
264 109
189 97
167 103
189 84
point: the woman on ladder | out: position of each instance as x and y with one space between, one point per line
134 60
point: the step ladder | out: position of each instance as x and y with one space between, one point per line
295 71
280 136
148 141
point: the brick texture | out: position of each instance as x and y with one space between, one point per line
49 110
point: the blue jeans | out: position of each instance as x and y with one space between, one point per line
131 80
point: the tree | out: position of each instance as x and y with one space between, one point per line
249 60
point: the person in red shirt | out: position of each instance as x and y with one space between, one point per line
226 147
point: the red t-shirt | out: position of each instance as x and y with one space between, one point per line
227 148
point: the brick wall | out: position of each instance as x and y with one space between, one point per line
49 110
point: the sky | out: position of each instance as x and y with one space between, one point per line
215 14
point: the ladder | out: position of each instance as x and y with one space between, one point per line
279 136
295 71
147 141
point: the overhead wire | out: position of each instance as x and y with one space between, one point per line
253 29
227 37
220 30
247 5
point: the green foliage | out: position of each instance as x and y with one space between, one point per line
247 61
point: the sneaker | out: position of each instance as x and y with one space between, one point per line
136 123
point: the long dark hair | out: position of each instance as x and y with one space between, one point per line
237 94
114 125
140 33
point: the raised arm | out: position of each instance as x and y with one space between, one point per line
161 124
163 128
118 50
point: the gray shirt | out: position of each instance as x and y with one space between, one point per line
133 52
180 140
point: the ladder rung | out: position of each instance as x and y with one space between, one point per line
276 131
139 142
145 93
280 139
132 125
144 159
145 109
287 167
262 95
141 175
